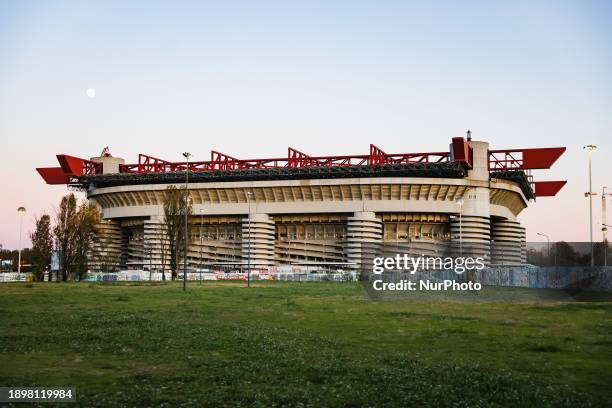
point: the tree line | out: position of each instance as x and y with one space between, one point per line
71 234
12 256
570 254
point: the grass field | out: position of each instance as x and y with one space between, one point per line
299 344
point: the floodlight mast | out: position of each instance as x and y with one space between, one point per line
249 241
21 211
604 226
590 148
187 156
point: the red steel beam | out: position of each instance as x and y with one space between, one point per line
75 166
295 158
462 152
150 164
524 159
53 175
220 161
408 158
70 166
547 188
542 158
377 156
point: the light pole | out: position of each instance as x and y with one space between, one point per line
187 156
590 148
249 241
21 211
548 243
604 229
460 203
201 248
150 246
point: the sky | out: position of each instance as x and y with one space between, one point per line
251 78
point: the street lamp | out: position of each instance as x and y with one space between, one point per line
249 241
187 156
460 203
21 211
548 243
201 247
590 148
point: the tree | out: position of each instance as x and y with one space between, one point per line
74 233
176 205
42 246
537 257
598 249
564 254
86 219
65 235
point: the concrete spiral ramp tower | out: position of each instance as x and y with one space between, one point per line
507 242
258 234
471 228
363 238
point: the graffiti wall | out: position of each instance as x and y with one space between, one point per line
565 277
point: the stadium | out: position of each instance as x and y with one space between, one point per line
316 210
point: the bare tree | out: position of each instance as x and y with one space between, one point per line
176 205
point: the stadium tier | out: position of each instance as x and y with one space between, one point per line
315 210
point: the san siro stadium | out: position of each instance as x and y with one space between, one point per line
316 210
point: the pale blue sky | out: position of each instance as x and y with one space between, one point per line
250 79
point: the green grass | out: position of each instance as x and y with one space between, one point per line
300 344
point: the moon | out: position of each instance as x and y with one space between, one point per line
91 92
